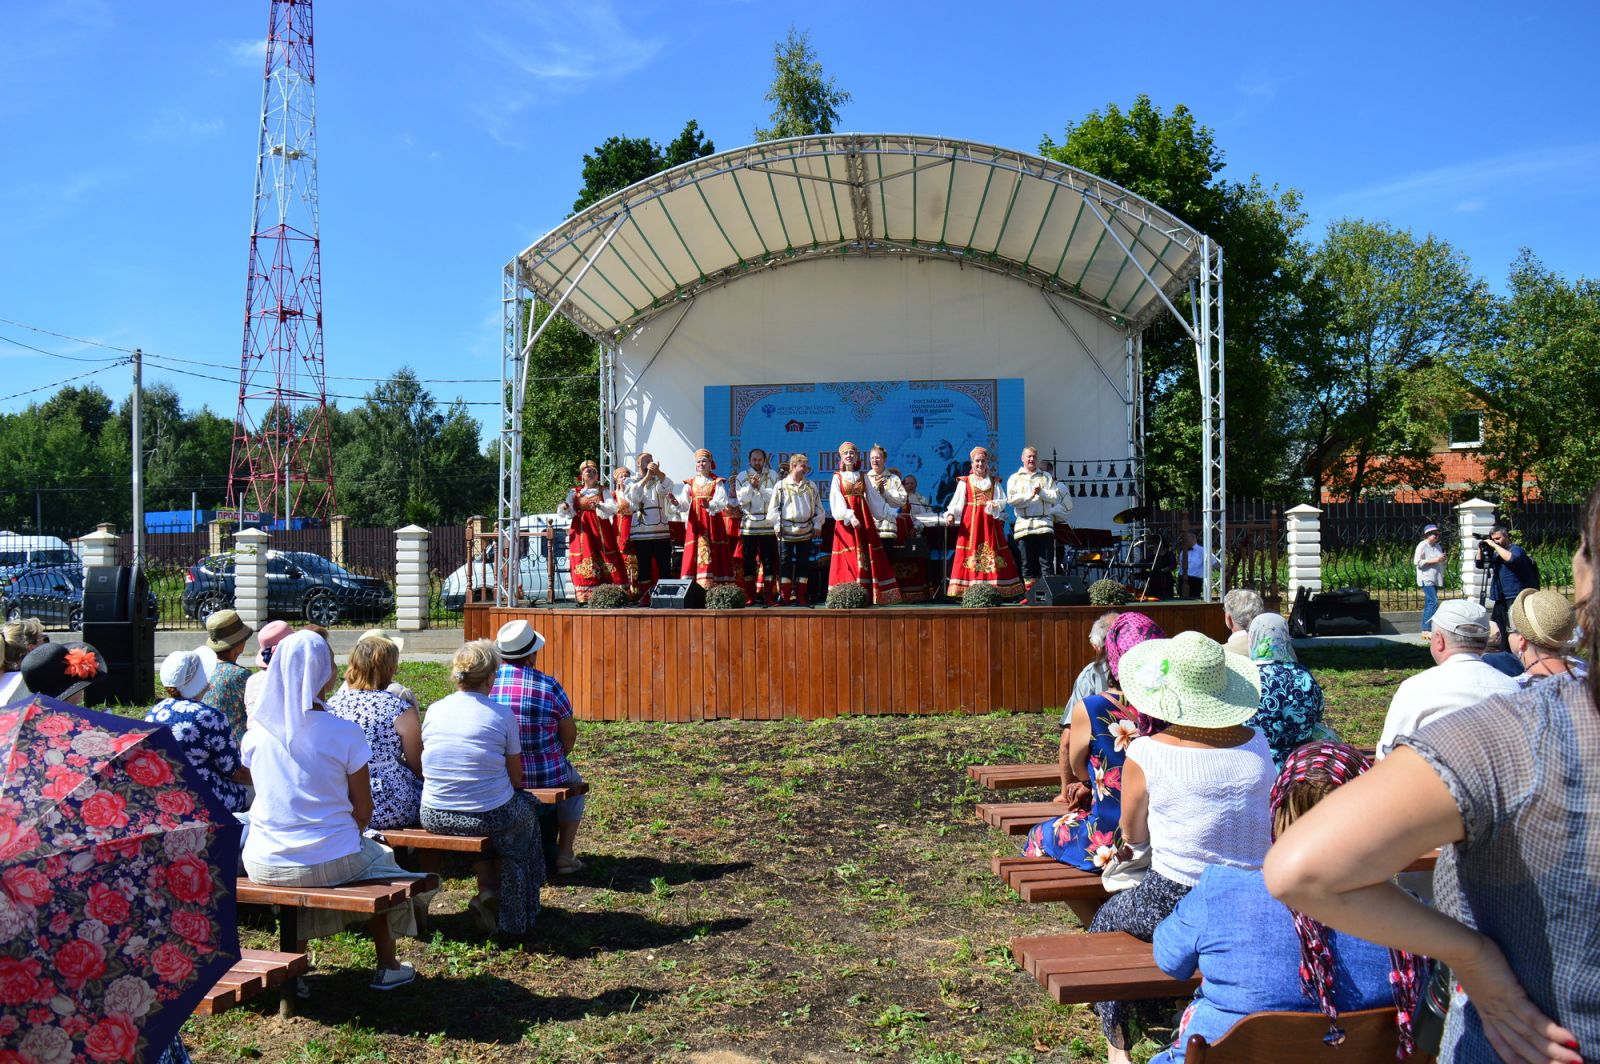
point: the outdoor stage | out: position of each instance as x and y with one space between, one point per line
769 664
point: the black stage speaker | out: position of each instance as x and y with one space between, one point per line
117 623
1058 590
680 594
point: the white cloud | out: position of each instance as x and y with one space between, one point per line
1471 205
248 53
171 123
35 206
1468 184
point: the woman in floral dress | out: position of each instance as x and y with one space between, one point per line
983 555
202 732
1291 698
592 536
392 727
1101 729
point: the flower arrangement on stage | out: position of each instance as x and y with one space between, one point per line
847 597
725 597
982 597
609 597
1107 593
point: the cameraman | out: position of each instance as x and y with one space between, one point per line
1510 570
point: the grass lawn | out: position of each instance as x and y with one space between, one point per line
755 891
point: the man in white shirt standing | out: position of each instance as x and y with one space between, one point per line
1459 678
1032 495
753 489
1428 560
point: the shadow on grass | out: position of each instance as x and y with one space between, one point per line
578 933
638 874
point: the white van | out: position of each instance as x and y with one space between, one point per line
535 566
20 552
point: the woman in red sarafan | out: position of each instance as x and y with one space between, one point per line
592 538
982 554
707 552
858 554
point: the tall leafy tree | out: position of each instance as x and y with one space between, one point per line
561 422
1172 160
619 162
1400 306
804 99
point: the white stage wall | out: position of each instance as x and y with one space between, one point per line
852 319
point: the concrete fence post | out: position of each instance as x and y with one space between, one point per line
476 525
411 591
338 528
1305 549
98 548
250 576
1475 518
217 536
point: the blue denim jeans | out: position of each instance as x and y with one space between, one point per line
1430 603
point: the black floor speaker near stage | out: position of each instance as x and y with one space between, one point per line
1058 590
683 594
117 623
1347 611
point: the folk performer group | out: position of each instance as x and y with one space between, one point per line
756 530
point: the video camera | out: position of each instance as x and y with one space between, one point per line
1485 553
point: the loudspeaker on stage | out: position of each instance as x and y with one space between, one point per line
1058 590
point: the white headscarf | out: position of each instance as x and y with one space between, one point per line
301 667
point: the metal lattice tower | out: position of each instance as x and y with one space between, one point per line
282 456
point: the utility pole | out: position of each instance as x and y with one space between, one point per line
138 457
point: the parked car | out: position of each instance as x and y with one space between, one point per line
299 585
19 553
54 594
535 568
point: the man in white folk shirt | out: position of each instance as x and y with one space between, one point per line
890 489
1033 496
1459 678
753 489
649 497
795 511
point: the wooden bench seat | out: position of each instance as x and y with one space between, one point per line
1011 777
1016 818
1111 966
423 839
255 971
1270 1037
551 795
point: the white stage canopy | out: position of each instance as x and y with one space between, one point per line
620 264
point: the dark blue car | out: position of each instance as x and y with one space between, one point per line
54 594
300 585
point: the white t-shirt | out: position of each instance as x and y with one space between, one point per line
302 813
1423 559
1462 680
466 738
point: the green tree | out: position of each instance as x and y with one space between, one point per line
1535 373
561 420
804 100
623 161
1174 161
1400 307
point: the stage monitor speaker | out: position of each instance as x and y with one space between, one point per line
107 593
1058 590
118 624
680 594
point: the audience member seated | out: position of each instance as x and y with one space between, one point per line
392 727
1092 679
226 635
1193 795
1291 698
314 799
545 728
1258 956
1459 677
471 780
395 687
62 670
1102 726
200 730
272 633
1240 608
1507 787
28 632
1543 627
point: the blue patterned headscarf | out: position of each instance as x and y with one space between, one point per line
1269 640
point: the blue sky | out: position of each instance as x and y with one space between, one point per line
451 136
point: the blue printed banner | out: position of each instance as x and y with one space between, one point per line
928 427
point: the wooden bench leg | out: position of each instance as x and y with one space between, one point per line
288 942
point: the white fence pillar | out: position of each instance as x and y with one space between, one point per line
98 548
1475 518
1305 549
411 590
250 576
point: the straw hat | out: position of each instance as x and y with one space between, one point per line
1189 679
517 639
1544 618
378 633
226 629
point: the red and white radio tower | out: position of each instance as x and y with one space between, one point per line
282 455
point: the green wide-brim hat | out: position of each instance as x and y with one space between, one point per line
1191 680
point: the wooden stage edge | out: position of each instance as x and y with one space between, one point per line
773 664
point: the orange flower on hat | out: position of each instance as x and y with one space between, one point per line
82 664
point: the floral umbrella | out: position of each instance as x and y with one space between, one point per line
117 870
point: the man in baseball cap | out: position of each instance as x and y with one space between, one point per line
1459 678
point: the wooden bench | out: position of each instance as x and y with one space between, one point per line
1011 777
433 851
551 795
1270 1037
255 971
1016 818
1110 966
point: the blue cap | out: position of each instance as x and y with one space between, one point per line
1429 528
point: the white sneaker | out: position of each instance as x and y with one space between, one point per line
389 978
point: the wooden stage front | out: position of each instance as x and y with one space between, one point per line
768 664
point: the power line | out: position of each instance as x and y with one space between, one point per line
54 354
64 336
69 380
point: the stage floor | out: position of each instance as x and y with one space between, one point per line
768 664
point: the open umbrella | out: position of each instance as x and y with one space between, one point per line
117 876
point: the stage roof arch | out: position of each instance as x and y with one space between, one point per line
711 221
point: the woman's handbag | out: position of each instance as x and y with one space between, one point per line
1428 1026
1124 872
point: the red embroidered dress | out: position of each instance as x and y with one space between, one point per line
858 555
982 554
707 552
592 550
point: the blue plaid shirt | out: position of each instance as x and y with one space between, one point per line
539 704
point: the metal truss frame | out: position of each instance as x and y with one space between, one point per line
1206 329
